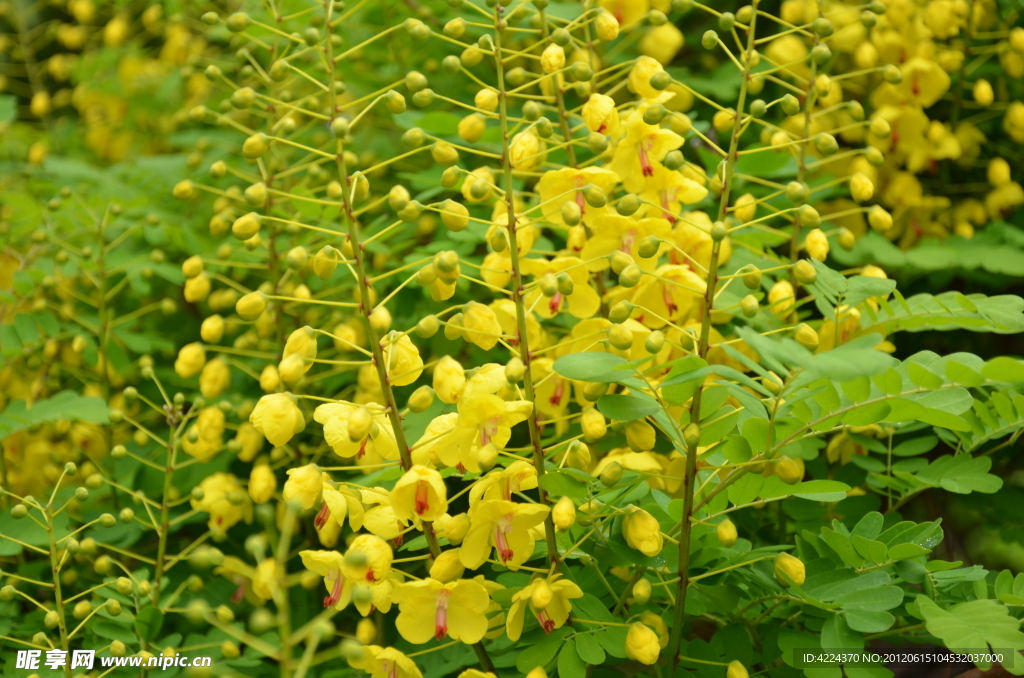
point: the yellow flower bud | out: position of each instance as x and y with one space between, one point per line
542 594
304 484
192 266
564 514
606 26
449 378
861 187
745 207
325 261
600 114
527 151
983 93
726 533
262 483
251 306
640 436
781 297
486 99
642 644
421 399
789 470
642 532
447 566
215 378
277 417
366 631
552 58
817 244
641 591
640 76
270 380
191 359
197 288
593 424
791 567
456 528
212 329
998 172
724 120
472 127
806 337
736 669
879 219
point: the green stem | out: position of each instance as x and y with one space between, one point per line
801 172
517 291
58 594
690 476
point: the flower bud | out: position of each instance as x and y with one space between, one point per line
749 305
628 205
255 146
611 474
817 244
879 219
246 226
606 26
655 342
456 529
751 276
455 28
472 127
709 40
597 143
552 58
251 306
515 371
804 272
736 669
806 336
826 143
691 436
892 74
542 594
631 276
487 99
789 470
640 436
593 424
642 643
447 566
809 216
620 312
998 172
879 127
641 591
564 514
726 533
427 326
791 567
620 336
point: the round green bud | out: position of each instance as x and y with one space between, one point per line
758 108
628 204
661 80
649 247
561 37
620 312
451 64
543 128
656 18
597 143
423 98
210 18
19 511
70 469
797 192
674 160
413 138
517 76
856 110
726 21
581 71
108 520
874 156
868 19
826 143
709 40
823 27
654 114
451 176
238 22
719 231
892 74
82 493
790 105
821 54
119 451
748 305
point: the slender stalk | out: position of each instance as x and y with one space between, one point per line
563 117
165 507
689 479
801 172
517 289
57 593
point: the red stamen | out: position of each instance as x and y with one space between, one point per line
422 498
546 622
321 518
556 302
556 396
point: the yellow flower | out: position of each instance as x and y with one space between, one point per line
402 359
368 559
640 77
386 663
420 493
641 151
303 485
505 527
209 429
552 393
501 483
335 418
328 565
662 43
225 500
426 451
642 532
262 483
431 609
527 151
264 583
668 297
480 325
278 418
215 378
582 302
642 644
483 420
191 359
558 187
564 514
555 610
599 113
626 12
339 502
623 234
736 669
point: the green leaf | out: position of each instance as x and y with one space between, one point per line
874 551
148 623
8 107
907 551
869 526
543 652
589 649
865 415
820 490
562 484
626 407
861 288
841 545
588 366
972 626
1004 369
867 621
570 665
873 599
962 474
65 405
912 448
